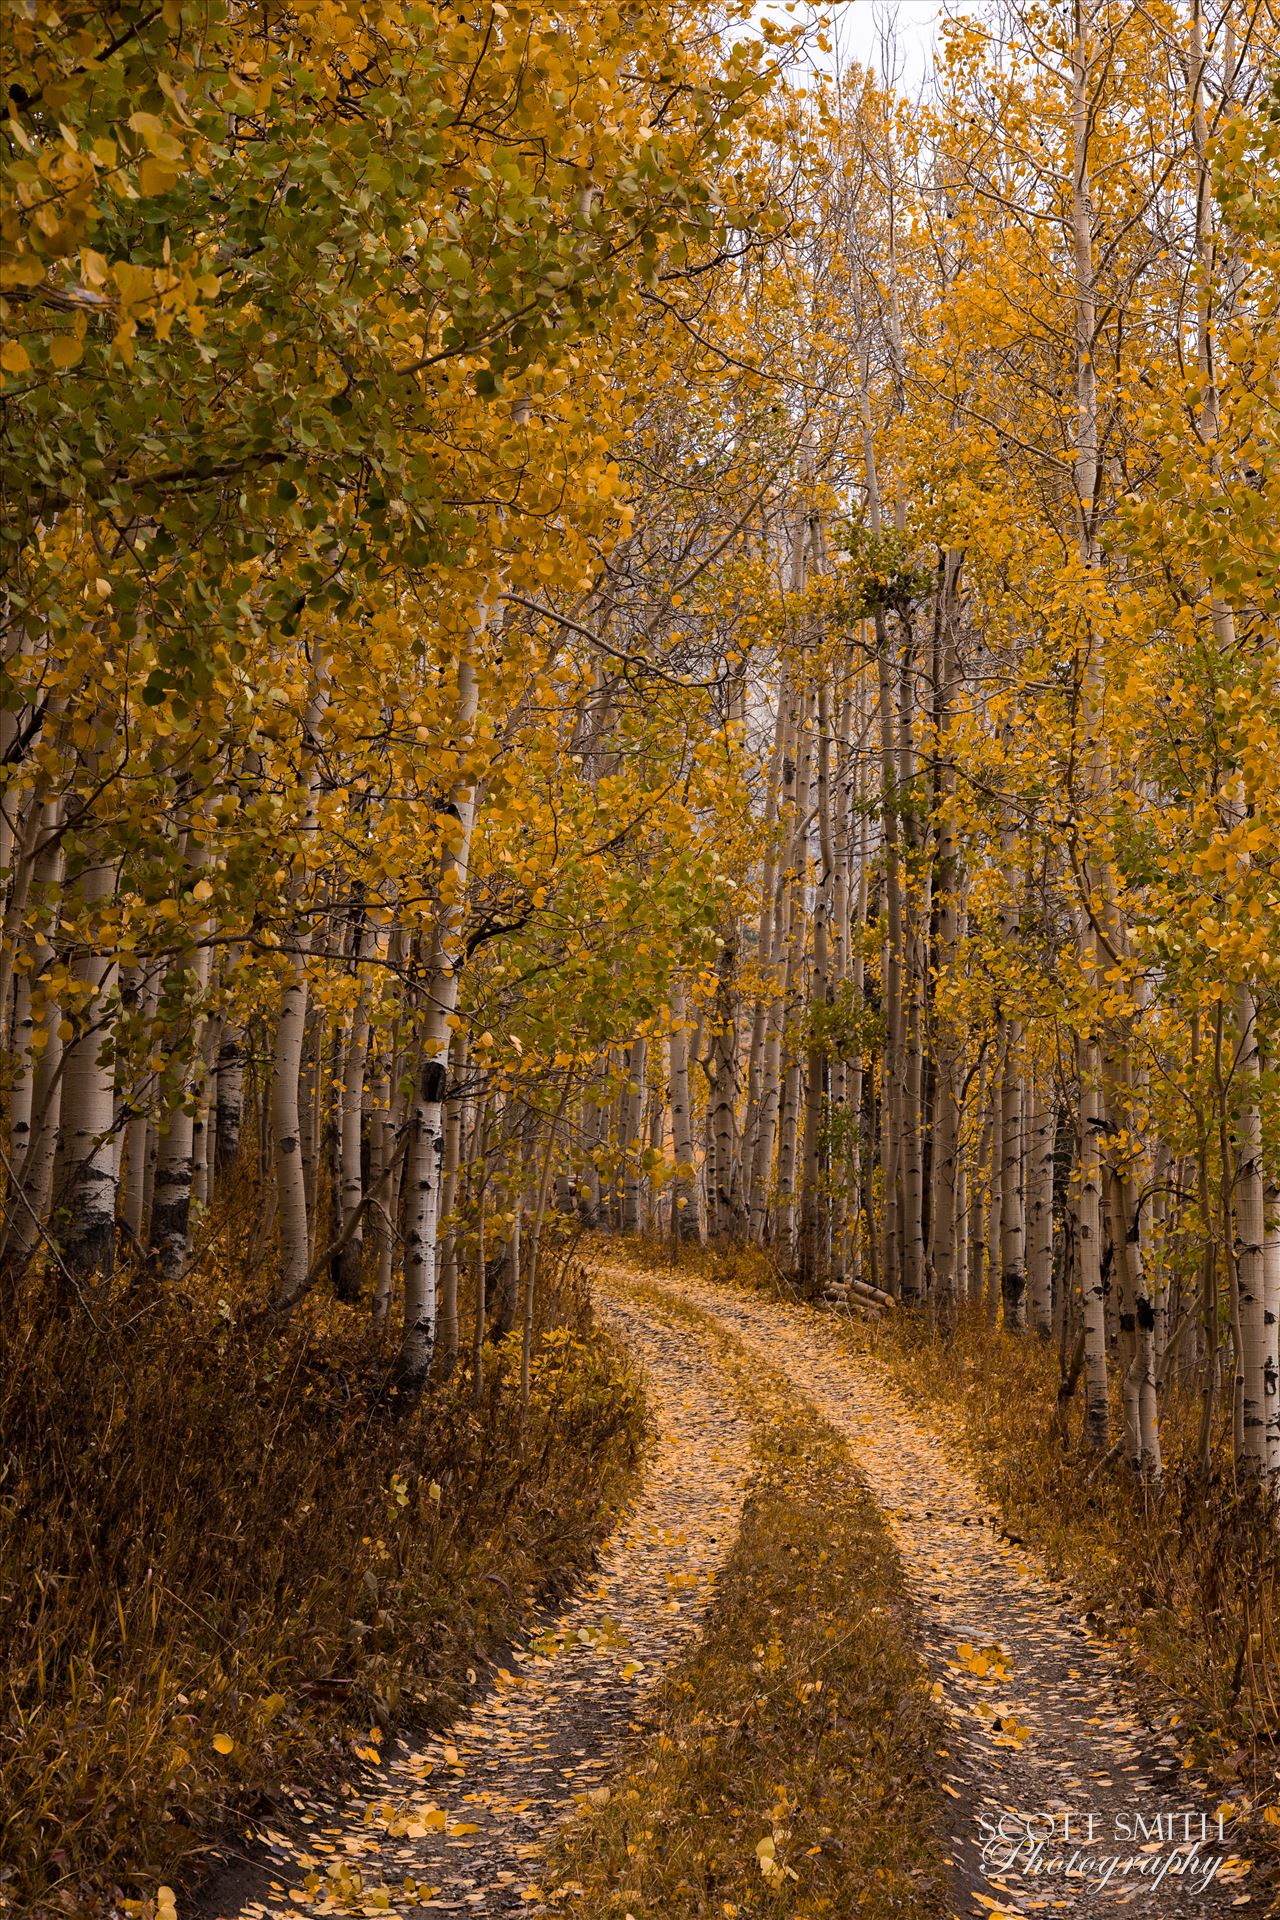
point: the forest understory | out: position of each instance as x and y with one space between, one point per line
639 958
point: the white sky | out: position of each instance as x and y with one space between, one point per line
860 25
858 29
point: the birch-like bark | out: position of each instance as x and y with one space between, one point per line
1097 1414
947 1235
724 1191
188 985
386 1116
1044 1125
138 1129
686 1218
441 996
1271 1328
290 1035
455 1118
789 1103
535 1248
1255 1346
1087 476
811 1249
230 1098
633 1102
349 1263
28 1203
86 1174
1013 1277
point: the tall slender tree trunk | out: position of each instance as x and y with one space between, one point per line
86 1175
290 1038
349 1265
686 1218
632 1132
440 996
1044 1126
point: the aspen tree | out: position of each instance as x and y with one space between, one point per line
440 996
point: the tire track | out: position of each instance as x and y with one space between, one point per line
456 1824
1046 1726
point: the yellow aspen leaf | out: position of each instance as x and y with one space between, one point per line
155 176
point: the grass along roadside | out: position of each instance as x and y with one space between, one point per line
790 1763
190 1618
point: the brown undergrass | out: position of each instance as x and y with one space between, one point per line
790 1765
226 1560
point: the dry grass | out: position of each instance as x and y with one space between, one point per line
790 1766
225 1558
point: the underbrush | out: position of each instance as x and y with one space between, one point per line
1187 1576
228 1559
790 1765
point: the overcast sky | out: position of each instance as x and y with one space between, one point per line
858 28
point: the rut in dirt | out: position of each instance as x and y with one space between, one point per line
457 1824
1046 1725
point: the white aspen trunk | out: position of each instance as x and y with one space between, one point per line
535 1249
1044 1125
230 1098
1013 1277
915 920
995 1193
1150 1462
170 1235
22 1091
1254 1345
686 1218
856 1084
86 1175
1126 1319
290 1038
509 1298
139 1127
724 1192
789 1106
286 1125
947 1234
980 1196
632 1220
780 773
1097 1413
812 1253
204 1144
477 1182
382 1147
28 1201
588 1185
350 1261
455 1115
1087 476
441 996
1271 1328
656 1098
387 1113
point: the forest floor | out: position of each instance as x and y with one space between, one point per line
617 1729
